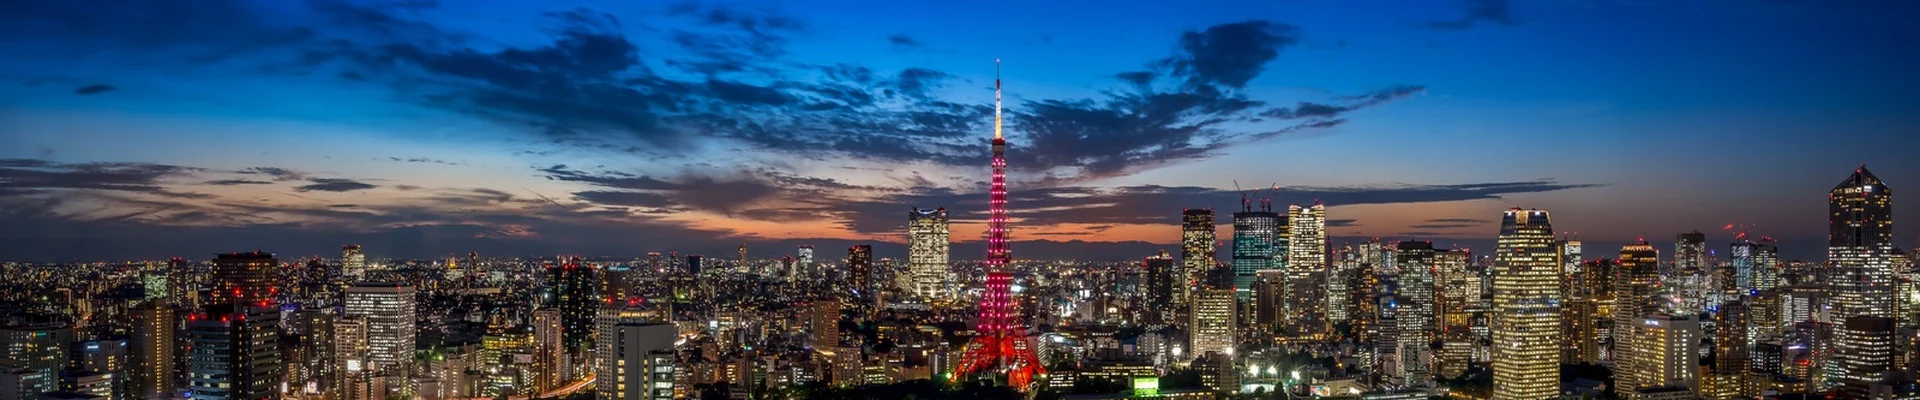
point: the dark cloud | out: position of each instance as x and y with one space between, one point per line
1342 222
1229 55
92 89
18 175
1461 220
1490 11
1442 226
278 174
902 42
333 185
421 160
723 193
236 182
1328 112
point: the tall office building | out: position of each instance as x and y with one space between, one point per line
1637 276
1740 260
235 353
310 364
860 269
1590 314
1730 352
571 287
1692 275
1860 246
1766 264
1269 302
1572 312
824 325
154 282
1526 301
389 310
1341 266
1456 299
641 365
1306 266
1164 283
629 360
1254 236
1213 322
154 350
1196 250
41 350
353 264
927 252
804 254
357 378
1666 354
550 361
1417 327
245 278
1867 351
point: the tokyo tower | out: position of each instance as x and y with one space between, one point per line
1001 346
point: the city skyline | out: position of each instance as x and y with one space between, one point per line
422 131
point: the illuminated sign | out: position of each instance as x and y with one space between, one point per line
1146 386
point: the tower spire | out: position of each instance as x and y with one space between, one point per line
996 99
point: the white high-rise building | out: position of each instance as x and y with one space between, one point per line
389 311
1306 268
927 252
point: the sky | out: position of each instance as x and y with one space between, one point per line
425 128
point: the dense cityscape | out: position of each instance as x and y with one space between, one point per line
785 200
1272 311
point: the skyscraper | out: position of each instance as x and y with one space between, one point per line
154 350
1002 344
1254 236
235 353
1415 311
1638 276
389 311
1666 354
1164 283
1526 301
1692 276
353 264
1306 266
1860 246
860 269
549 350
927 251
636 336
642 363
1213 322
805 255
1196 250
1730 352
1867 351
571 288
244 278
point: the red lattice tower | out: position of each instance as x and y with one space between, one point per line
1001 346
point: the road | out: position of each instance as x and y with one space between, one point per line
562 391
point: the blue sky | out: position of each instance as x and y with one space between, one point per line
421 128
